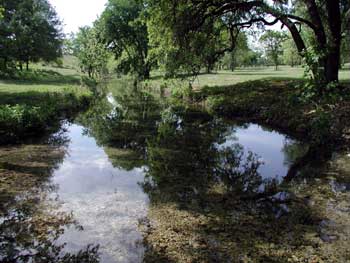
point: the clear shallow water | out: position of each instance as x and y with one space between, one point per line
271 148
123 154
106 201
109 202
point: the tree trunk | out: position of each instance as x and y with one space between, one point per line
332 67
27 65
208 69
333 58
20 66
5 63
147 72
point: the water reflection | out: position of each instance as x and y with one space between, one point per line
106 201
30 224
276 151
131 156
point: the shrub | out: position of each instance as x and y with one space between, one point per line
18 120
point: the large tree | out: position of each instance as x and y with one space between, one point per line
195 49
324 19
29 31
125 33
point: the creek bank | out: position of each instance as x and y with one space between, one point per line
282 104
307 220
39 114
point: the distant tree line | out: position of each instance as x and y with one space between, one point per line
30 30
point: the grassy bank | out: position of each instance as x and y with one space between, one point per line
283 104
32 102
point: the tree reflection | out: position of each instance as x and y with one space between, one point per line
123 126
239 175
185 161
178 145
210 202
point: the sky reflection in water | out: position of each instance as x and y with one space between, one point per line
107 202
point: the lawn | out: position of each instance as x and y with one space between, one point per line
225 77
31 87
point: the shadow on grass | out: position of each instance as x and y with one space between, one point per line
62 100
40 77
31 98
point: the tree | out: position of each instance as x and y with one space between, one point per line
290 53
323 18
91 51
273 40
201 48
30 31
242 55
125 33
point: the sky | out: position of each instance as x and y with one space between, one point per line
77 13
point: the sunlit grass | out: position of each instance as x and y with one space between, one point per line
225 77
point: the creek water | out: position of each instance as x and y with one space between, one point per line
109 203
114 158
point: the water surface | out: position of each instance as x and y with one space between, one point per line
129 152
106 201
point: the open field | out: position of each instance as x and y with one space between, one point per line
31 87
223 78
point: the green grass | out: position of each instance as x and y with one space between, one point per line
31 87
224 78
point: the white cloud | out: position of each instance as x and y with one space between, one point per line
77 13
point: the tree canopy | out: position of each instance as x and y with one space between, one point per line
91 51
125 34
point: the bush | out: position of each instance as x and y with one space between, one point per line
19 120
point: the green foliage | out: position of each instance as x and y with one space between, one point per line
291 55
312 58
36 101
241 56
2 10
282 105
125 34
30 30
91 52
202 49
20 120
272 41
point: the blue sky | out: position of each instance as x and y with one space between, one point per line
77 13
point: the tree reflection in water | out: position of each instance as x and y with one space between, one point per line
208 203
